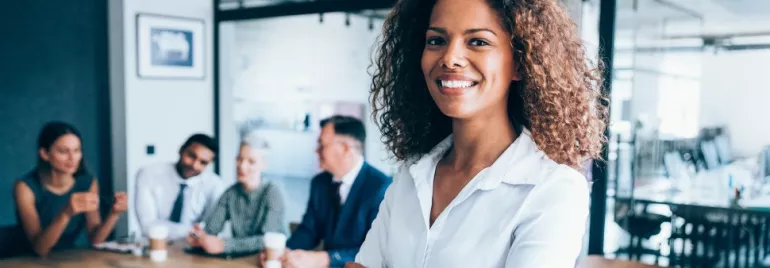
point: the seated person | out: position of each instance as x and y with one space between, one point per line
253 207
344 199
177 195
59 199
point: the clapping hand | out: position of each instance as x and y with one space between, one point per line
121 203
82 202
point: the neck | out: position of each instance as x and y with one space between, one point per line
481 140
252 183
56 179
350 164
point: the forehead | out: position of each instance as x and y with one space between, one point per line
327 132
200 151
68 140
247 150
464 14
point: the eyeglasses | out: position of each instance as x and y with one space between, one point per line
322 146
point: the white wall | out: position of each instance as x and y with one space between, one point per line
736 93
270 59
155 112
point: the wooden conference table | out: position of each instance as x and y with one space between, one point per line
178 258
98 259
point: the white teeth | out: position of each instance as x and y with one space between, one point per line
456 84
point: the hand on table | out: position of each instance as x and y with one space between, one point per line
194 235
306 259
210 243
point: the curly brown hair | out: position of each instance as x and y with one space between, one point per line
558 99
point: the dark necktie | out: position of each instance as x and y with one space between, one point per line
176 212
336 201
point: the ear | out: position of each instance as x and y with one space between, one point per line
44 154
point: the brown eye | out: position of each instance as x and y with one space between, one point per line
478 42
435 41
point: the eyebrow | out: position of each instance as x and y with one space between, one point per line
469 31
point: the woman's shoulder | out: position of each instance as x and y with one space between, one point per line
31 180
402 172
562 185
232 189
30 176
273 188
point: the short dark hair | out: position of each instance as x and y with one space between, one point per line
347 126
201 139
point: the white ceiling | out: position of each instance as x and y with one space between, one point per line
708 15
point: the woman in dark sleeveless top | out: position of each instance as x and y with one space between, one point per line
59 199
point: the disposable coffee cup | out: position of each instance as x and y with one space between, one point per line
158 243
275 245
273 264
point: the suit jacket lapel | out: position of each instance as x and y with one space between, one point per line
352 204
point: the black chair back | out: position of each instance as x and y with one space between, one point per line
12 241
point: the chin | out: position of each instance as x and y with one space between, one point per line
456 110
65 170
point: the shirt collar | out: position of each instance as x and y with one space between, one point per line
349 177
517 165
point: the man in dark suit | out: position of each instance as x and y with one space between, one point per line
344 199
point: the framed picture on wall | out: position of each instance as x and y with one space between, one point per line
169 47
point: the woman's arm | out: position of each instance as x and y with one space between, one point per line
43 240
553 224
215 221
98 231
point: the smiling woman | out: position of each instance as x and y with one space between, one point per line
552 90
493 108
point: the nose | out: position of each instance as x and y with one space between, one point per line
454 56
199 167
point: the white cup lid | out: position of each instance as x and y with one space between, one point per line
274 240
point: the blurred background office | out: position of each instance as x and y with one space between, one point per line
687 162
688 153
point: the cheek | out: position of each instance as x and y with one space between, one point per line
497 70
58 157
427 62
333 154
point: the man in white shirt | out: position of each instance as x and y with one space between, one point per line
179 194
